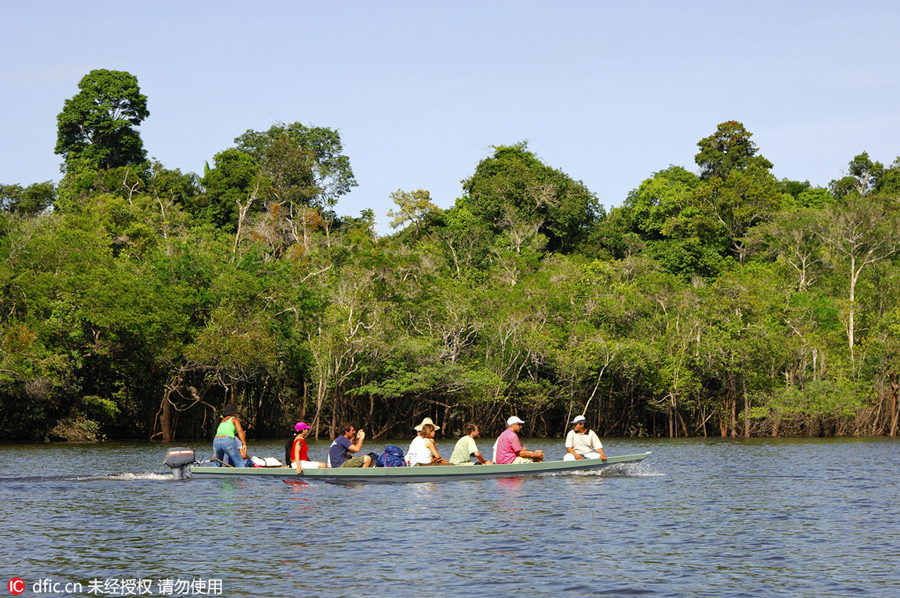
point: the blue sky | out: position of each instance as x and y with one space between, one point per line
608 92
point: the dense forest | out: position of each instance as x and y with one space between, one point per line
136 300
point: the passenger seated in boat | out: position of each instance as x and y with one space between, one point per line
423 450
582 442
296 452
510 450
349 441
466 447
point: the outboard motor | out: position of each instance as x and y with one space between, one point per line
180 460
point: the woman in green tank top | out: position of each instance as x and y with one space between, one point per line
225 443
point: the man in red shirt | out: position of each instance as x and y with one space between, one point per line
510 450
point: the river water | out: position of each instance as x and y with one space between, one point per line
814 517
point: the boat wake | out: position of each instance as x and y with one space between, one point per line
125 477
116 477
618 470
631 470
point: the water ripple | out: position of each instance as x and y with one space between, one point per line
700 518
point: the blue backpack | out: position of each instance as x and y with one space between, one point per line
391 457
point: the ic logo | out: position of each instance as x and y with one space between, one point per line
16 586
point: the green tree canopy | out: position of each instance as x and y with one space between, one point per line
413 206
233 178
863 176
654 208
97 126
729 148
679 234
889 182
30 200
745 197
306 164
514 186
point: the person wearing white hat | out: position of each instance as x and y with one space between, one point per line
582 443
427 420
423 450
510 450
420 451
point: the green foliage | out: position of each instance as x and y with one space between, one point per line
513 188
461 240
727 150
689 258
654 208
96 128
172 186
866 176
233 180
744 198
79 185
863 176
305 164
728 303
76 429
677 231
821 398
889 181
803 195
27 201
413 206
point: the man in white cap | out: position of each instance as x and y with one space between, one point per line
510 450
582 443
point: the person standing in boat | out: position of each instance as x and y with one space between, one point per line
349 441
466 447
582 442
225 444
510 450
296 452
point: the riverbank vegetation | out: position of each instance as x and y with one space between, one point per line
137 300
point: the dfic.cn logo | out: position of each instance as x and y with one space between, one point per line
16 586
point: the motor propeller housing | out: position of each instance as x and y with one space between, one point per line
180 459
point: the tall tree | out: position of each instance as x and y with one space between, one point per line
563 209
728 149
794 237
860 233
414 207
863 176
889 181
745 197
307 162
97 126
307 171
685 238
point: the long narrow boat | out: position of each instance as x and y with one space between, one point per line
417 474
